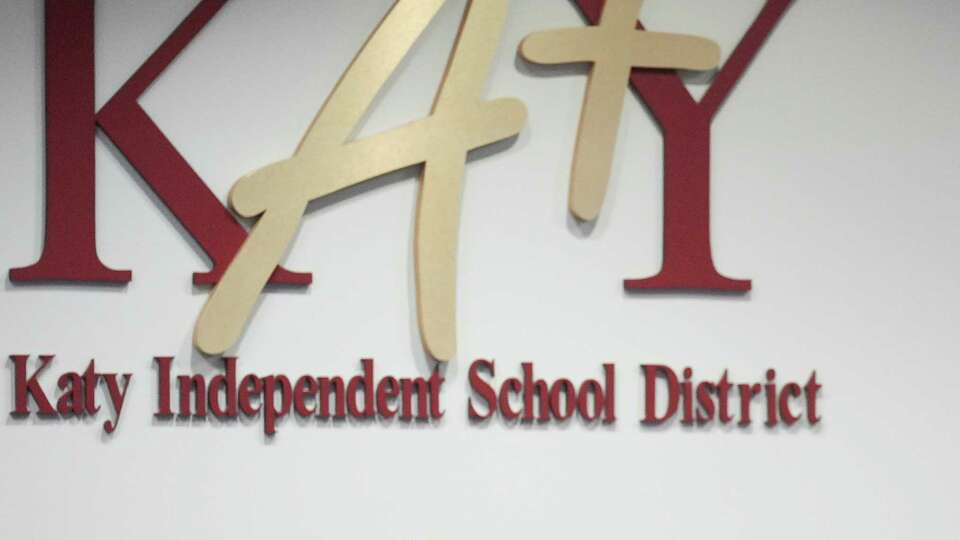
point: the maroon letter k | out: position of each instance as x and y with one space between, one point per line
70 248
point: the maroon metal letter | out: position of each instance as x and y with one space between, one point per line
69 250
687 257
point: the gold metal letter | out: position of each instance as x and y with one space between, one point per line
614 47
327 161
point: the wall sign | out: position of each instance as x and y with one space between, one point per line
621 54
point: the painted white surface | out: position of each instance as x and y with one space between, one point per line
834 189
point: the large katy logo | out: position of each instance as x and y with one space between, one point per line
619 51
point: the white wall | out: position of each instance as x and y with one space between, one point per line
834 189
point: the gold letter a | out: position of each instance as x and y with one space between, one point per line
327 161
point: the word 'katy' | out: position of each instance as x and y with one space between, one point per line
78 397
327 160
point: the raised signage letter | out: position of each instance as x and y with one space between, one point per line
685 124
614 46
70 249
328 161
